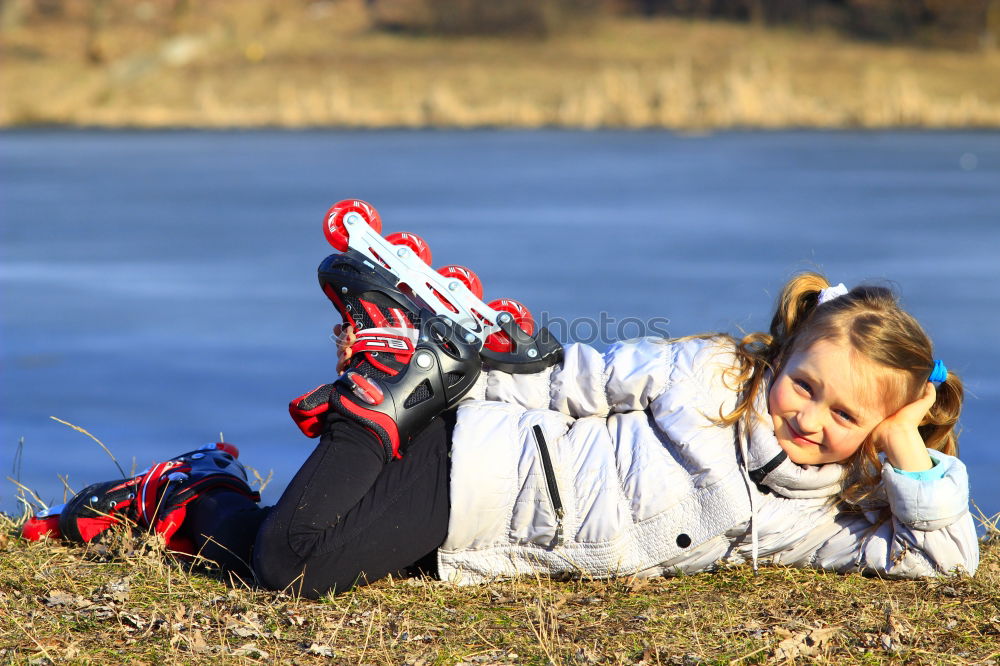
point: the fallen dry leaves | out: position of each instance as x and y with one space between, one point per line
809 643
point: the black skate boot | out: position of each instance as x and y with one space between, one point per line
442 370
155 500
384 318
365 294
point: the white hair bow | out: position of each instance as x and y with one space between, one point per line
830 293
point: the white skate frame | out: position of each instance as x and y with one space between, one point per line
422 281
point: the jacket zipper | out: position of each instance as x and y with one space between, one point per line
550 481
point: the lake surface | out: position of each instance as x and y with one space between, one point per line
159 288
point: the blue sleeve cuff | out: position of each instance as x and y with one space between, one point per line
933 474
934 499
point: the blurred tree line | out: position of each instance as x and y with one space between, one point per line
963 23
966 24
949 23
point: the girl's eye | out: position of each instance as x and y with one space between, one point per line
803 385
844 415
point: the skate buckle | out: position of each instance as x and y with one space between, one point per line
365 389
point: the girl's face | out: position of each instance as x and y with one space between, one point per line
824 403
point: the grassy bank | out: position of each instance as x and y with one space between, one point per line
243 64
126 602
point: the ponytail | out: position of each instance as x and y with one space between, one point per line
939 429
758 353
798 299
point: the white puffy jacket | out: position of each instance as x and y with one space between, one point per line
611 465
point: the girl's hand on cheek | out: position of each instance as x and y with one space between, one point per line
899 438
345 338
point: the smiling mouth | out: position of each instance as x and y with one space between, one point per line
798 436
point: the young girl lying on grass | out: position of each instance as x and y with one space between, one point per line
828 442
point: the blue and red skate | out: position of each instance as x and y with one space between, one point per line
156 500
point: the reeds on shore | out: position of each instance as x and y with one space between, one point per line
234 67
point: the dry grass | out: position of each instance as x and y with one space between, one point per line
125 602
248 64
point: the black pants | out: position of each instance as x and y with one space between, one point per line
348 517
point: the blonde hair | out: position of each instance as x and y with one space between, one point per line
870 319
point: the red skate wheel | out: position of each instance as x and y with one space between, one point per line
465 276
414 242
333 223
500 342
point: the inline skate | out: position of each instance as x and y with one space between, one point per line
386 290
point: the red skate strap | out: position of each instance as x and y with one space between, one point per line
365 388
378 341
379 424
376 316
311 426
401 320
152 483
170 523
181 546
308 410
91 527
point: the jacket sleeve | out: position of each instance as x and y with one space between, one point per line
926 530
628 377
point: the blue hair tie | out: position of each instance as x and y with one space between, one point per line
938 374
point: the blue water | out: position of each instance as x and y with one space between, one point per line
159 288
